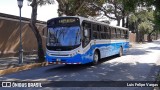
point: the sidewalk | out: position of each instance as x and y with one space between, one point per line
11 64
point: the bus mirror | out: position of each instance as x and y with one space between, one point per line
86 33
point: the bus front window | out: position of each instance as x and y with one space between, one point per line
60 37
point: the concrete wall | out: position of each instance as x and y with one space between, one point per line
132 37
9 37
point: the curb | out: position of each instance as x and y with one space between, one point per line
21 68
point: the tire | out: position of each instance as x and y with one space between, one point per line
120 52
95 58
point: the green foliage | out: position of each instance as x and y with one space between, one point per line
144 19
129 5
145 27
78 7
133 18
157 14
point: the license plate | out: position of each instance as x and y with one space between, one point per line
58 60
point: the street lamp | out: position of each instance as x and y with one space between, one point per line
20 4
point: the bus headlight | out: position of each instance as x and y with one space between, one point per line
48 54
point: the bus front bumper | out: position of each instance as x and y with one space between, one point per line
77 59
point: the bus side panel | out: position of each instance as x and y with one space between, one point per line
105 51
113 47
126 47
118 44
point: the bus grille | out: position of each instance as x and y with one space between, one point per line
60 54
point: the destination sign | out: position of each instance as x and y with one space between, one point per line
60 22
67 20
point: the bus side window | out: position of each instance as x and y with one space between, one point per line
126 35
123 34
98 31
102 33
113 33
109 32
95 31
118 33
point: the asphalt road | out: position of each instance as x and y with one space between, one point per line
140 63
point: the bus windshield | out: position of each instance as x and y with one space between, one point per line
64 36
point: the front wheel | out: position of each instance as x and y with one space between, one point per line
95 58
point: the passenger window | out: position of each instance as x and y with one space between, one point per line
96 30
113 33
118 33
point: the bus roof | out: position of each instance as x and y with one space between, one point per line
90 20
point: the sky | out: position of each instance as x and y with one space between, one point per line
44 12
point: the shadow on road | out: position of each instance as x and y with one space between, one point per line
137 52
154 48
105 72
156 42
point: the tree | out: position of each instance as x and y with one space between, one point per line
154 3
34 4
78 7
117 9
142 21
110 9
157 14
113 9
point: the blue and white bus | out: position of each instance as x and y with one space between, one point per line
78 40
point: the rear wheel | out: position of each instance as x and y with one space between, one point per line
120 52
95 58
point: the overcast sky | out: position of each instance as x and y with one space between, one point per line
44 12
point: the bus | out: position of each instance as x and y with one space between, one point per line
78 40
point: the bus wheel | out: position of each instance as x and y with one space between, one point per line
120 52
95 58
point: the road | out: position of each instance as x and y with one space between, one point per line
140 63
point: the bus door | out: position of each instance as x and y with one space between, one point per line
86 27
